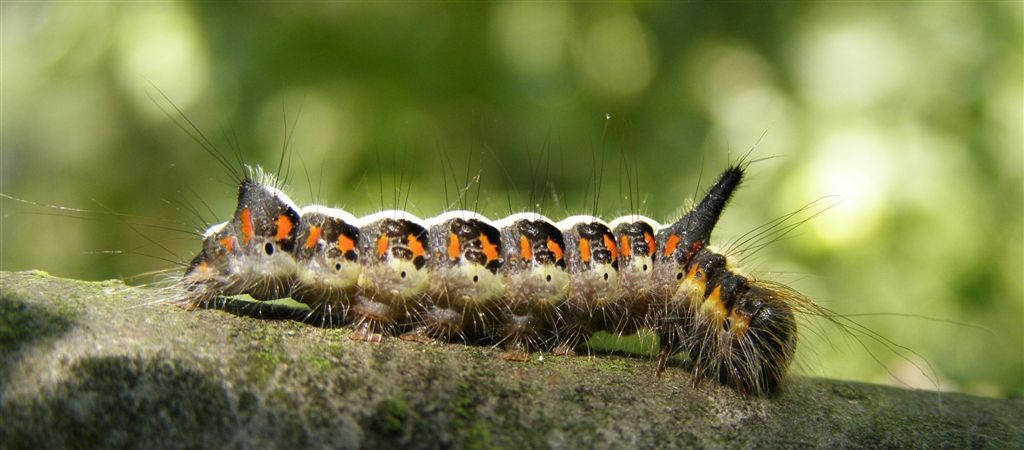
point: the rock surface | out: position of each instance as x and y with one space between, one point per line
86 364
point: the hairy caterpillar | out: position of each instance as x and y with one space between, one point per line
524 282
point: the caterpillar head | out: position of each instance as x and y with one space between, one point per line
326 256
251 253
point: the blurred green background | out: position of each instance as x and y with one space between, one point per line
909 113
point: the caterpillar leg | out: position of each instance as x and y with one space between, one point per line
572 330
436 324
372 320
417 335
662 361
520 334
516 355
365 333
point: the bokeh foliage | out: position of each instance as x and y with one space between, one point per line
909 114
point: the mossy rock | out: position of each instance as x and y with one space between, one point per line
104 365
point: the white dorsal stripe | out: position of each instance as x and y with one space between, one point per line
568 222
283 197
458 214
635 218
214 229
394 214
534 216
333 213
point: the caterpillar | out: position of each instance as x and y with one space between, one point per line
525 282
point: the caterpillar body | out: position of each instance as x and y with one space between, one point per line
525 282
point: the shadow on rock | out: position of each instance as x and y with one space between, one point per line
23 324
124 402
273 311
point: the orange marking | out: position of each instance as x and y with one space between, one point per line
555 248
490 250
695 248
609 243
584 249
416 246
284 227
314 236
228 242
524 248
345 244
692 273
382 245
624 243
650 243
671 243
246 226
453 246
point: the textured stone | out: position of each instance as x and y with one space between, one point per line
85 364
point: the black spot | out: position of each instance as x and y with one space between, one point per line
679 275
476 278
403 274
269 248
549 278
645 267
606 276
401 253
337 266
